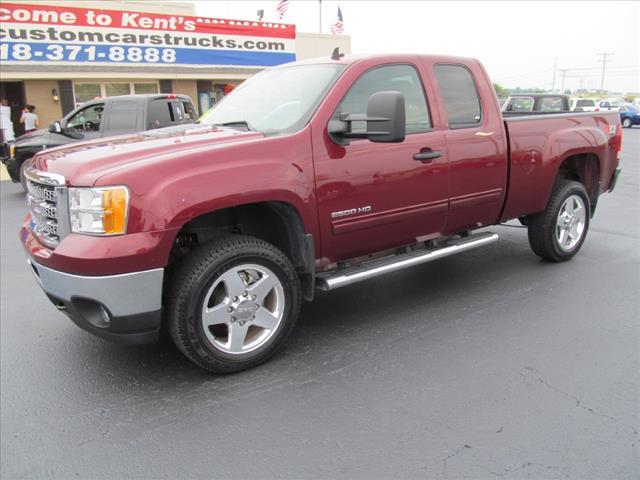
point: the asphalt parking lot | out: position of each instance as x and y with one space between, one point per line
488 364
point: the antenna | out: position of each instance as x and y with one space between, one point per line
336 55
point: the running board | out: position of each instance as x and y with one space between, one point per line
335 279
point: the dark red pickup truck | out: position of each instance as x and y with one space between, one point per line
311 175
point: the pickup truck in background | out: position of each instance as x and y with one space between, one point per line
311 175
536 103
101 118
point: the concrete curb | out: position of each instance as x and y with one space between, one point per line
4 175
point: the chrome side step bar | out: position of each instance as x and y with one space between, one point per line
335 279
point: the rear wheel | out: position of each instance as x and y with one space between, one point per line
558 232
233 303
626 123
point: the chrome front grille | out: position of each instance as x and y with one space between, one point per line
45 197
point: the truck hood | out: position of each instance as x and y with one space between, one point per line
82 164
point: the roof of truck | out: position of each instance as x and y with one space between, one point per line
391 57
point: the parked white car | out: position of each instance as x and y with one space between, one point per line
611 104
584 104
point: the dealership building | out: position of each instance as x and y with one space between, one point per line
58 54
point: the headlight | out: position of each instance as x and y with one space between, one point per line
99 211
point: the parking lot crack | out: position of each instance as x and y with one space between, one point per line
578 402
451 455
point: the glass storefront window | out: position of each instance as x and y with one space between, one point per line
114 89
86 91
145 88
90 91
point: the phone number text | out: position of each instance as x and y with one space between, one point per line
84 53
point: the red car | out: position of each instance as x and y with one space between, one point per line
311 175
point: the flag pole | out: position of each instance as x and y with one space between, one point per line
320 16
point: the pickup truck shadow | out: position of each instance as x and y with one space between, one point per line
339 328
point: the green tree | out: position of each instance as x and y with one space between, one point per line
500 90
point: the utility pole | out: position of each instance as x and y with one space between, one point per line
319 16
604 61
564 74
555 65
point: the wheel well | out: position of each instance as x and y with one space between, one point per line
583 168
275 222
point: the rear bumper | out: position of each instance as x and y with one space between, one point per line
123 308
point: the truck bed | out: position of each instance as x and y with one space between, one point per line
536 141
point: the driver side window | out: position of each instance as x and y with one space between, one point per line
399 78
87 120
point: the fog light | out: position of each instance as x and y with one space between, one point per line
104 320
93 312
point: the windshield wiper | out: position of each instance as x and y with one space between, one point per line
237 123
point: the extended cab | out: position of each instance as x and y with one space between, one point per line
310 175
101 118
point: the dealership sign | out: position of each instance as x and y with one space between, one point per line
43 34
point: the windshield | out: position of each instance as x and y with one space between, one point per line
275 101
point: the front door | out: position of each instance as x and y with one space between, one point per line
374 196
87 122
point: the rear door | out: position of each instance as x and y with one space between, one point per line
123 117
476 145
373 196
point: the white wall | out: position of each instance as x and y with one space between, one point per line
312 45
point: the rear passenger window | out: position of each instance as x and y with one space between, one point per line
400 78
123 116
459 95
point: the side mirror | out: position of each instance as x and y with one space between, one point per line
55 127
385 119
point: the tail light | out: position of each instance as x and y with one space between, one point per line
619 137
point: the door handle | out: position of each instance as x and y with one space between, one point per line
427 155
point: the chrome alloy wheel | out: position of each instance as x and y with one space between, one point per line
570 222
243 308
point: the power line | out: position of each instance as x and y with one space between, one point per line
564 75
604 61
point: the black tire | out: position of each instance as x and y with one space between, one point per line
542 226
196 275
626 123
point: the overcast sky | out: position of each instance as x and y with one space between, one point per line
516 41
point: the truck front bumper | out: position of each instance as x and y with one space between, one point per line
123 308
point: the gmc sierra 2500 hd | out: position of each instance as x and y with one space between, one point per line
314 174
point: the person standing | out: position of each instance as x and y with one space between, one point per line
6 127
29 119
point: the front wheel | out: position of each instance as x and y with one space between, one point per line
626 123
558 232
233 303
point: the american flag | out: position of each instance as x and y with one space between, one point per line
282 8
338 27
